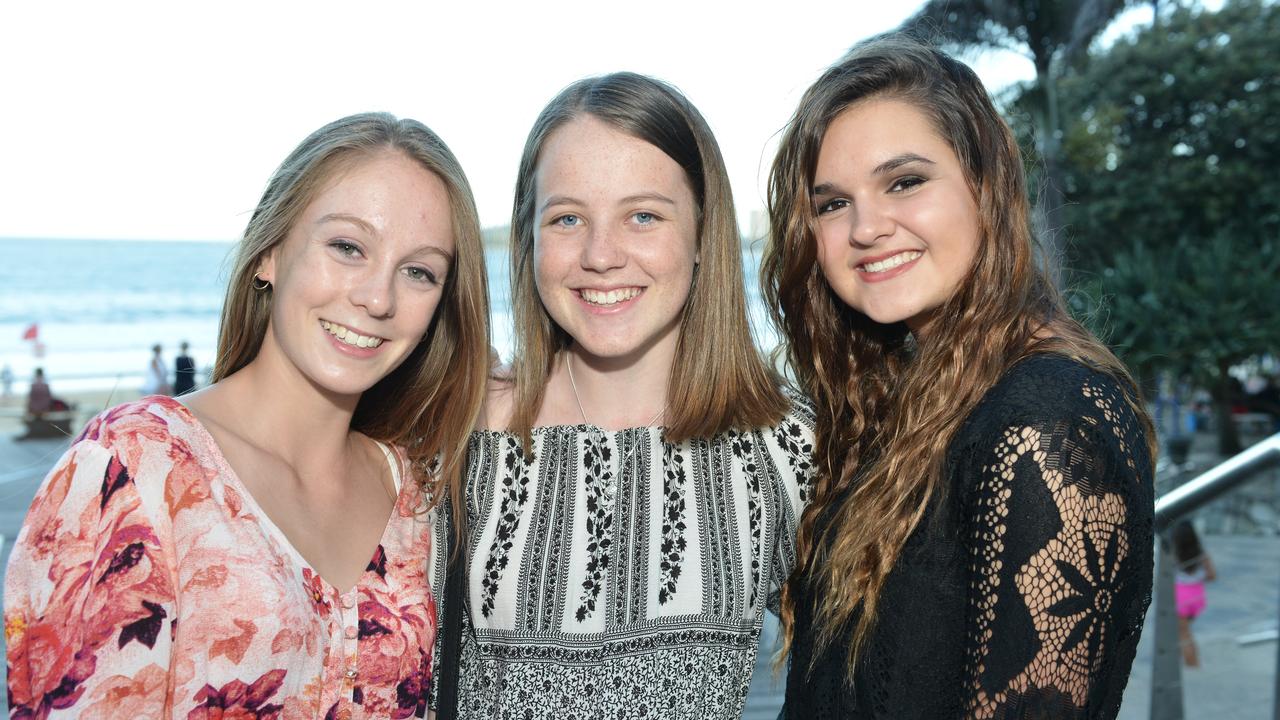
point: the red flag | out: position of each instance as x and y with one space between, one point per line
32 333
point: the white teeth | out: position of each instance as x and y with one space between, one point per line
350 337
892 262
609 297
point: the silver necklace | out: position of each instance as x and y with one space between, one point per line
568 363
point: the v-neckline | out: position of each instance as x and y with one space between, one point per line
231 477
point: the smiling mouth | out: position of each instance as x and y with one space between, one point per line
605 298
349 336
890 263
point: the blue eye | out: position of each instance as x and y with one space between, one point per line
645 218
567 221
832 206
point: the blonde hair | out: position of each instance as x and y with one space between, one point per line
889 405
429 403
718 379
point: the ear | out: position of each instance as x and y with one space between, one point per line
266 269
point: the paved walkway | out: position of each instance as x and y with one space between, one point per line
1235 681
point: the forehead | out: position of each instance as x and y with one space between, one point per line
389 194
869 132
589 156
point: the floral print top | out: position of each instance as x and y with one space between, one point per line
147 583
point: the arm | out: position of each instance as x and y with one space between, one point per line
1060 570
792 447
89 599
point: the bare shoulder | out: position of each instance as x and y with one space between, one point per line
499 404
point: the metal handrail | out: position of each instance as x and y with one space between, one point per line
1166 662
1213 484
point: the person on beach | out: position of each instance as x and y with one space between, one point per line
1195 568
634 493
184 371
980 540
263 547
39 396
157 377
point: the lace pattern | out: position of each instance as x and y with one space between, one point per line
1033 574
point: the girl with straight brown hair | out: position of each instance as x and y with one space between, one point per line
263 547
980 540
633 499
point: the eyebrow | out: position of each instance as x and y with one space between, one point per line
887 166
344 217
354 220
638 197
559 200
894 163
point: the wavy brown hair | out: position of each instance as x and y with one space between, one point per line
430 403
888 404
718 378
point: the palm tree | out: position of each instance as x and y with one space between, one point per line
1054 34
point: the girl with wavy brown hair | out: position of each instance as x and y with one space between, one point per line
263 547
980 542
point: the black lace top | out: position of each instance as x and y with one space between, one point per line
1021 594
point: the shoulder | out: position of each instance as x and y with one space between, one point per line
1074 416
1050 388
154 418
800 407
149 439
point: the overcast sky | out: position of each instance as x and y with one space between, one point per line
158 120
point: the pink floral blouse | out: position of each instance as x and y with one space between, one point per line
146 582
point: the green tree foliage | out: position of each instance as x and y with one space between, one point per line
1171 142
1054 34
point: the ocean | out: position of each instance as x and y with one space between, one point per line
99 306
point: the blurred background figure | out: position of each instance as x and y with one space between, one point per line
39 397
1195 568
46 416
184 371
6 382
157 382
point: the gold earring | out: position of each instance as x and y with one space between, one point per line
259 284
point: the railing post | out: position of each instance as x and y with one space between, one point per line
1275 699
1166 663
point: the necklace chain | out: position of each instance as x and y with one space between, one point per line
568 363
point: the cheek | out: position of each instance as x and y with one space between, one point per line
829 246
425 311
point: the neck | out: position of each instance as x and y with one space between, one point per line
275 407
618 394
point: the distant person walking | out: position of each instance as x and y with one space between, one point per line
184 371
1195 568
157 382
6 379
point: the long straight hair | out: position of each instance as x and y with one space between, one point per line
888 404
428 404
718 379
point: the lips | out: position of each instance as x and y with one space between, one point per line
349 336
606 298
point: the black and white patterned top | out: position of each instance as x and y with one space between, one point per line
604 592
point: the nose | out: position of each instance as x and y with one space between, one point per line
871 222
601 250
375 291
